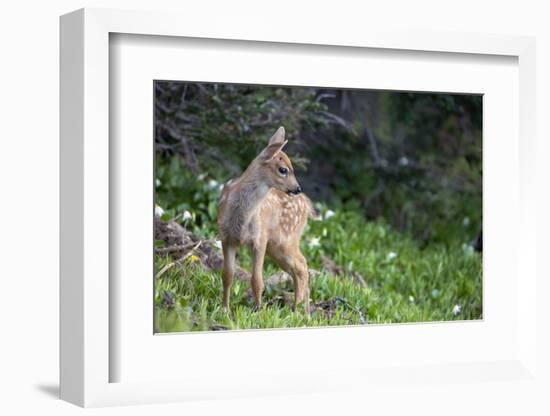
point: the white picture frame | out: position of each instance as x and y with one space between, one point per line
86 353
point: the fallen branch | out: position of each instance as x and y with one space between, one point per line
180 247
359 279
331 266
343 301
179 261
175 247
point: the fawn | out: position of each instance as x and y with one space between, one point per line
265 209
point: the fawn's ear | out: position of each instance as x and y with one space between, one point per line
275 145
271 151
278 137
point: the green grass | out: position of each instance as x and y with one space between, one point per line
404 283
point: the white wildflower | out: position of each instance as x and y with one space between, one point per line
314 242
212 184
403 161
157 182
158 210
391 255
329 214
457 309
466 221
201 176
435 293
468 249
187 215
218 244
411 299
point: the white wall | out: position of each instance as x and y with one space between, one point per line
29 178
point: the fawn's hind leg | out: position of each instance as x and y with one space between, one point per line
229 252
294 263
301 282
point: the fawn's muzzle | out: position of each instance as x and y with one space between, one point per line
296 191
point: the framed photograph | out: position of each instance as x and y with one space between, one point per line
292 209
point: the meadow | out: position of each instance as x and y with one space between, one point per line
364 273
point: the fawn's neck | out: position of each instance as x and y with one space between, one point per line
248 195
243 199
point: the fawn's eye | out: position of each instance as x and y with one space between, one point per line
283 171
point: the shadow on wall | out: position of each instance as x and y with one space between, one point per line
51 390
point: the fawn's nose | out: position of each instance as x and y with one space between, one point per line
298 190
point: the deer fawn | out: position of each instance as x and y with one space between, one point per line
265 209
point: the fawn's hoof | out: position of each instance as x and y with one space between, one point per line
227 311
256 308
296 308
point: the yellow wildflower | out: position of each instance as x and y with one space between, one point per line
193 259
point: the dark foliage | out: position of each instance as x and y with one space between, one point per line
414 159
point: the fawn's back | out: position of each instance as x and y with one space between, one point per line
277 217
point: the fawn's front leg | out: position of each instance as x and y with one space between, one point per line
229 252
257 282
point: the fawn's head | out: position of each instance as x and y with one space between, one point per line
273 166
